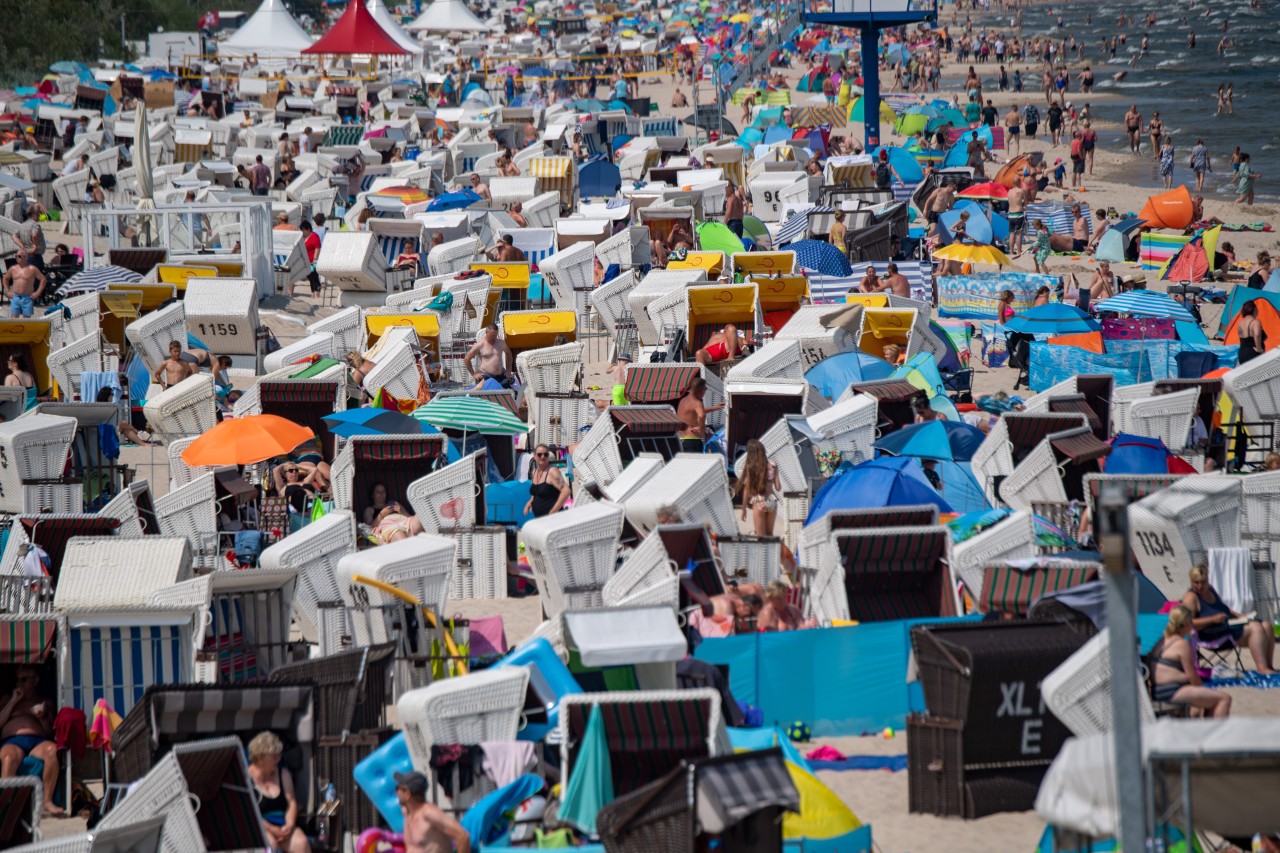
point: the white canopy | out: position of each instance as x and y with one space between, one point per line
625 636
270 31
448 16
1227 757
391 26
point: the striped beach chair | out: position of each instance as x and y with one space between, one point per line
896 573
1012 590
343 134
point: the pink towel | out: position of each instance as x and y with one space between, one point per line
826 753
488 637
506 761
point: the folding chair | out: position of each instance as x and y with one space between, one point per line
1019 348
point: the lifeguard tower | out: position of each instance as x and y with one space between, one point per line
869 17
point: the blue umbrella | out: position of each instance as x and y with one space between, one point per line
832 376
1144 303
459 200
1055 318
821 257
876 484
952 441
370 421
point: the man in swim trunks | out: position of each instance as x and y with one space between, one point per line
618 372
495 358
1079 230
724 345
23 284
1013 128
693 413
1133 126
1017 217
26 728
175 368
427 828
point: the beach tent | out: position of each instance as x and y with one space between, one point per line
1172 209
448 16
1268 315
1237 297
878 483
1114 244
886 112
1011 171
903 162
1193 262
356 32
392 27
599 178
270 31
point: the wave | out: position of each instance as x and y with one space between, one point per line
1139 84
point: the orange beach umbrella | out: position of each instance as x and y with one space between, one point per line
244 441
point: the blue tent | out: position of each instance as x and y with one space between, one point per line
832 376
906 165
777 133
1112 245
460 200
999 223
599 178
876 484
1055 318
978 228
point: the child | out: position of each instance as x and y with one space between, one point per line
1059 172
618 370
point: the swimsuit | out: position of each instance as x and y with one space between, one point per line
718 351
273 809
26 743
1213 632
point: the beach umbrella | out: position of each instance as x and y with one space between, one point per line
406 194
921 370
821 257
142 157
971 524
1137 454
98 278
856 111
246 440
833 375
950 441
816 116
985 191
876 484
460 200
1144 303
587 105
757 231
471 414
740 18
974 253
1011 171
1056 318
590 786
370 421
716 237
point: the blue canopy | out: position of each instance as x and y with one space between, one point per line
953 441
978 228
1145 303
906 165
821 257
460 200
599 179
999 223
777 133
878 483
832 376
1055 318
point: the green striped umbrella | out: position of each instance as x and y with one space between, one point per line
472 415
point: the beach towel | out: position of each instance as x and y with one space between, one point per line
1231 574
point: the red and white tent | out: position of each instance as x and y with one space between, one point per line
356 32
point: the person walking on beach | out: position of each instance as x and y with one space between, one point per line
1155 130
1133 126
1030 120
1040 248
1017 201
1166 162
1246 179
1012 129
1200 163
1088 143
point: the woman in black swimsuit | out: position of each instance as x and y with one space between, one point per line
1211 618
273 786
548 488
1253 338
1173 670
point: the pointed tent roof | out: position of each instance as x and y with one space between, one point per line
270 31
392 27
448 16
356 32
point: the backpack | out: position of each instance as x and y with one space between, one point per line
883 176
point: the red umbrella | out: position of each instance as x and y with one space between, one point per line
987 191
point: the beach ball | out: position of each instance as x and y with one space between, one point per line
799 732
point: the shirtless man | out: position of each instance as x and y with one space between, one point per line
479 188
495 358
26 728
1017 217
505 251
1079 230
679 100
896 282
724 345
175 368
680 237
517 214
940 202
427 829
20 285
694 415
1133 126
1013 128
778 614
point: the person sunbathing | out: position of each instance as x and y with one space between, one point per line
1211 618
725 345
409 259
778 614
1173 669
392 525
26 728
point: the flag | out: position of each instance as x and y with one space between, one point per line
208 20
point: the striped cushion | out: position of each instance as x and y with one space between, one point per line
828 288
117 664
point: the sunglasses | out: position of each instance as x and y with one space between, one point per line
542 454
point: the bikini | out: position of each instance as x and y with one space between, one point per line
1166 692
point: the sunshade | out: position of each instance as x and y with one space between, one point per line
953 441
590 785
369 421
833 375
98 278
876 484
978 227
821 257
471 414
974 253
1056 318
816 116
856 114
246 440
716 237
902 161
986 191
459 200
1143 303
1137 454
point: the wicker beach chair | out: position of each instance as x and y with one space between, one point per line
898 573
394 461
1174 528
1013 538
596 459
321 344
77 357
192 511
445 500
697 483
848 427
1255 386
180 473
569 274
1078 692
163 794
542 210
609 301
655 286
777 359
642 468
572 554
34 452
1165 416
453 256
419 565
347 328
186 409
315 551
223 313
648 577
151 333
21 805
124 509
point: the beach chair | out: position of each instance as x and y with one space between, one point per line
223 313
1255 387
150 334
453 256
352 261
848 428
1013 589
315 550
180 473
479 707
35 449
1078 691
21 805
561 418
666 383
446 499
192 511
550 370
319 344
394 461
1166 417
186 409
569 273
69 191
641 469
653 287
1013 538
289 258
77 357
1013 437
648 732
754 559
899 573
754 406
80 318
609 301
347 327
628 248
1122 398
1174 528
647 578
695 482
572 554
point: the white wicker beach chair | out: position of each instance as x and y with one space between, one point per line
1039 402
69 190
597 459
25 821
419 565
397 371
78 356
553 370
640 471
1078 691
163 793
777 359
453 256
559 419
755 559
480 568
628 248
1122 398
783 452
609 300
186 409
667 312
446 499
849 427
124 508
542 210
150 334
1036 479
321 344
180 473
315 551
827 599
572 554
136 568
480 707
347 328
1174 528
1014 538
647 577
697 483
352 261
34 448
81 317
1255 386
569 274
192 511
654 286
223 313
1166 417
